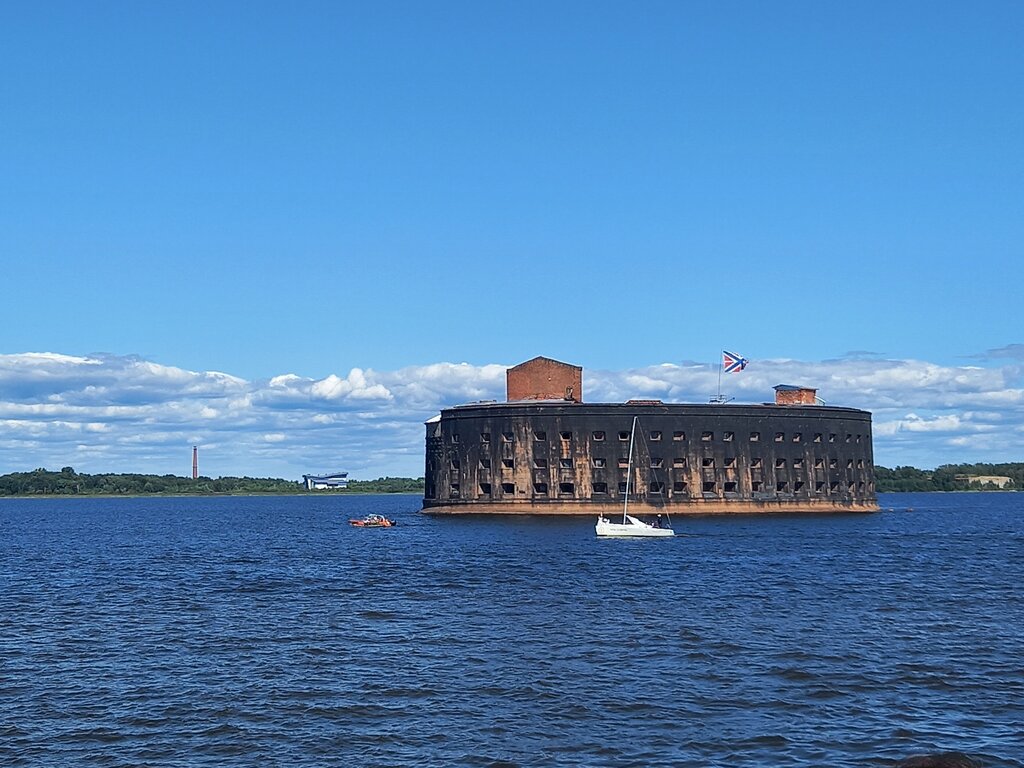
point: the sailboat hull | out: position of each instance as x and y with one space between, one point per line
631 528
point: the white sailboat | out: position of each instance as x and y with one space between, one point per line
630 526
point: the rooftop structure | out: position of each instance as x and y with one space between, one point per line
544 379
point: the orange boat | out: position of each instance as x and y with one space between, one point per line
373 521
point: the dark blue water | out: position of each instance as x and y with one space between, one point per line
266 631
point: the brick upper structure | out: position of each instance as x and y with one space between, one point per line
544 379
786 394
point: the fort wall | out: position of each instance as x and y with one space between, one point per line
573 458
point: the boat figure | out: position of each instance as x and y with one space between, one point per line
373 521
630 526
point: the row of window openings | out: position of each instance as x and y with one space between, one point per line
658 463
655 436
658 488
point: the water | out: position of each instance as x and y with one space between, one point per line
266 631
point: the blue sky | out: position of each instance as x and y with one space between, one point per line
348 194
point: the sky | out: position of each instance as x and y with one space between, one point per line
291 233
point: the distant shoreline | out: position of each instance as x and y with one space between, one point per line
68 482
43 483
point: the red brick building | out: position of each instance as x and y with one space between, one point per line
787 394
544 379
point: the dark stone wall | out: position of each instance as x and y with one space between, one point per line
566 458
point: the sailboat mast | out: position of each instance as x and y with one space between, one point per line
629 471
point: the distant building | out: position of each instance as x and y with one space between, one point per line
336 481
999 481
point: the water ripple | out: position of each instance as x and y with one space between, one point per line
242 631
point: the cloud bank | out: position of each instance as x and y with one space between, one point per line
105 413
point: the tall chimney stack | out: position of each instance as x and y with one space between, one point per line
195 462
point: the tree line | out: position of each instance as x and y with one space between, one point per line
68 482
948 477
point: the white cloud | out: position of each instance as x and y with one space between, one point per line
109 413
356 386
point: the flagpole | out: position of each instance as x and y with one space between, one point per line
736 363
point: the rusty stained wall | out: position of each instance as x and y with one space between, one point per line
562 454
434 474
515 458
544 379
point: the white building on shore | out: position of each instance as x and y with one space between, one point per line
335 481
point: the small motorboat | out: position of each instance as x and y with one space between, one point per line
373 521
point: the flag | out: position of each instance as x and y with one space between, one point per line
733 363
